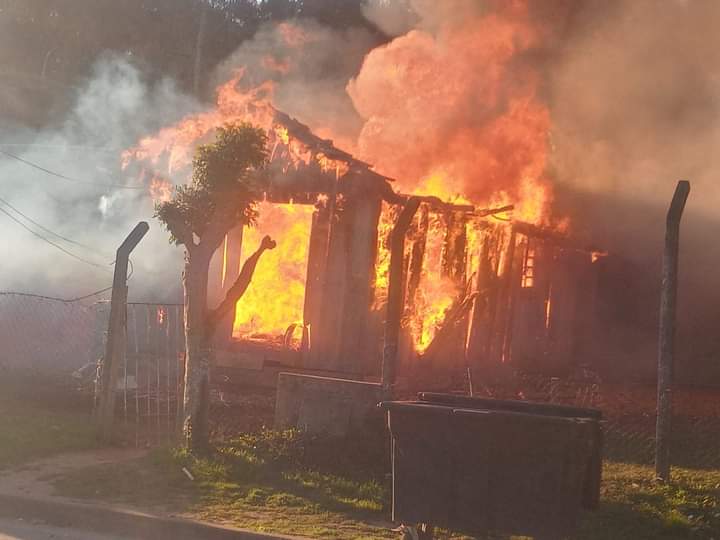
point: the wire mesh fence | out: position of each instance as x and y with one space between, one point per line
63 341
48 335
629 416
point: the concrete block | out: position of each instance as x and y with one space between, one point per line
324 404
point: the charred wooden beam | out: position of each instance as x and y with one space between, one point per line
493 294
446 338
503 299
395 295
557 238
512 282
454 252
475 350
417 254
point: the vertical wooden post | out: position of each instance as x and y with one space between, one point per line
497 345
116 340
199 41
666 345
454 251
355 349
317 254
417 255
396 288
233 258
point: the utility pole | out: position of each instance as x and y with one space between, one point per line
117 329
199 42
666 345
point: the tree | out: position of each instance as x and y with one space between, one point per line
227 181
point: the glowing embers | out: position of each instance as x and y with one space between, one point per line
275 298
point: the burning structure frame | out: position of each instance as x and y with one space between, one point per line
522 296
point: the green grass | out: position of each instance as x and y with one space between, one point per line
635 506
294 484
32 429
256 482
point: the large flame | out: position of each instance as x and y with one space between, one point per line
274 300
452 113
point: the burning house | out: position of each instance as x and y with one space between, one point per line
473 287
431 252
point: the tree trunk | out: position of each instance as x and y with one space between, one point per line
196 399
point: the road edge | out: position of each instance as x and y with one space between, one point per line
121 521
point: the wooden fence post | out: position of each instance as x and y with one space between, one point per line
396 292
666 344
116 340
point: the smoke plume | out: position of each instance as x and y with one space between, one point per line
111 110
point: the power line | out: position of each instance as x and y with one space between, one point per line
64 300
41 237
61 237
107 149
64 177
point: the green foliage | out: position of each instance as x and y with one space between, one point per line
227 171
635 506
227 163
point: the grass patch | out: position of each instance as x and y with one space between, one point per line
32 429
264 482
635 506
295 484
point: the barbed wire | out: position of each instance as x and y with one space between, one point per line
54 298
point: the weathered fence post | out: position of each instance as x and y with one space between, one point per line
395 297
116 339
666 344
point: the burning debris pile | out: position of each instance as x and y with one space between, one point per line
449 126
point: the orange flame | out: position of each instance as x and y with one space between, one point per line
160 189
448 114
276 295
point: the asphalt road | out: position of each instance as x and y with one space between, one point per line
23 530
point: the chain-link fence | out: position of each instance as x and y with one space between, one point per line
50 337
629 416
63 341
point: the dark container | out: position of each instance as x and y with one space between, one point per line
593 473
479 471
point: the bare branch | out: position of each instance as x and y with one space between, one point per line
239 287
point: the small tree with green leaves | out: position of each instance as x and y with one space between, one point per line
227 181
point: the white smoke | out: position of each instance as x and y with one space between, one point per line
310 65
635 101
112 109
